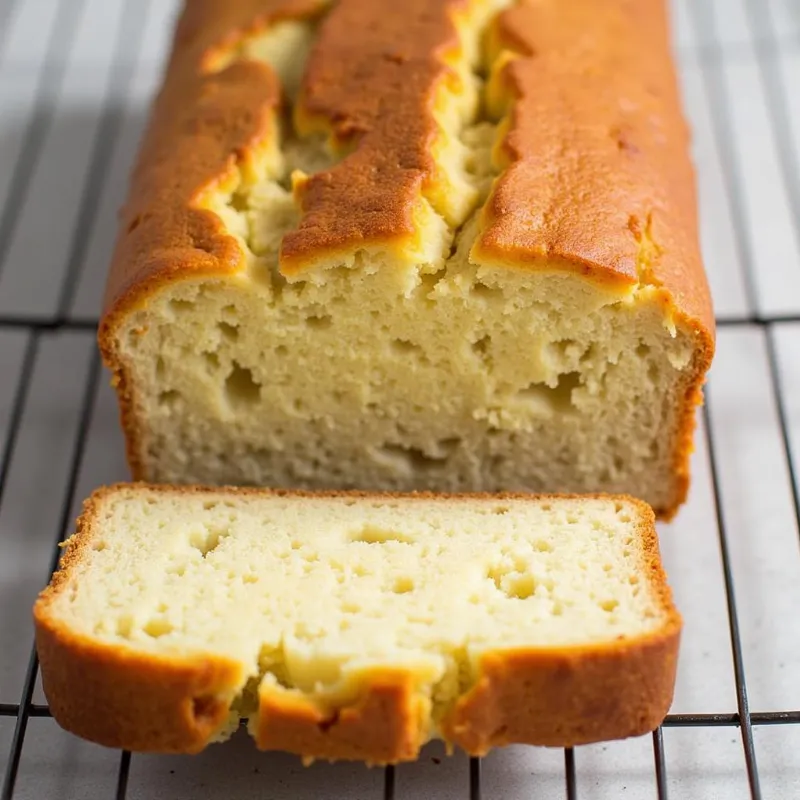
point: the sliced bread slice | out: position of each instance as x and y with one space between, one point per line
357 626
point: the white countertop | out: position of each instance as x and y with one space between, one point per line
75 78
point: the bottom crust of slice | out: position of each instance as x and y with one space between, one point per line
144 703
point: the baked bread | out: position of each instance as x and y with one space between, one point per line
357 626
432 244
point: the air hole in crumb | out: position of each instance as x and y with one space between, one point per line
487 292
238 202
542 546
211 359
496 462
207 540
158 626
404 347
180 306
240 387
361 571
589 354
481 346
643 350
552 399
514 585
319 322
99 545
124 626
210 505
228 332
281 350
403 585
566 347
521 587
412 459
169 398
160 367
609 605
250 578
500 510
134 337
372 534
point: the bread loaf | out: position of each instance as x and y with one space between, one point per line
432 244
355 626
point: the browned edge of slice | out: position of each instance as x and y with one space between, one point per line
118 697
564 697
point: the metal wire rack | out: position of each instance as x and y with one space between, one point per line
75 78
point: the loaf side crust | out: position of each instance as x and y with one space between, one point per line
121 698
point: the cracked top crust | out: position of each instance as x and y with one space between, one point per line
591 166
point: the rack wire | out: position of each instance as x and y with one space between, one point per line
58 436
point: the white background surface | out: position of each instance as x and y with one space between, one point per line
75 78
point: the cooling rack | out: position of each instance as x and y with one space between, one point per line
75 79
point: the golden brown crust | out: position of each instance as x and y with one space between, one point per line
376 89
598 147
572 696
124 698
384 725
564 699
598 170
204 125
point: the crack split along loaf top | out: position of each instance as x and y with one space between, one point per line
591 166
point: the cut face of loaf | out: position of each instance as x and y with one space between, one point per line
357 626
436 244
